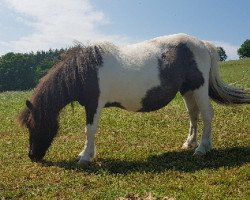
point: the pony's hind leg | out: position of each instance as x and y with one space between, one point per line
206 110
92 119
193 111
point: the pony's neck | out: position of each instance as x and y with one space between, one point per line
53 95
56 101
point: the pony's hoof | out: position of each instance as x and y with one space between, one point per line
79 157
83 163
188 146
198 154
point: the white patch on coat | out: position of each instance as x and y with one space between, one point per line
128 73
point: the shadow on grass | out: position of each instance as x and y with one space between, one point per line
177 160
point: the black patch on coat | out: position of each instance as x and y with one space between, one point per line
178 71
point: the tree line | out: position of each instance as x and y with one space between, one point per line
22 71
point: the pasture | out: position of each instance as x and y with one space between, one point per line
137 153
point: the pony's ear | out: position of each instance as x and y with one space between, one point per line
29 105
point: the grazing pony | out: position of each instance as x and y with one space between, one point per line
142 77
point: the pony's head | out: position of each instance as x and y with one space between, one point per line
65 82
41 131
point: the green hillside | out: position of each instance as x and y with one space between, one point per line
236 71
138 153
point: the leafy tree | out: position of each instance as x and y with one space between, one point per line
222 54
244 50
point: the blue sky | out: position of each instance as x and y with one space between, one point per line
42 24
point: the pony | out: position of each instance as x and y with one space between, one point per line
141 77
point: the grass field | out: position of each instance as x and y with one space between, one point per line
137 153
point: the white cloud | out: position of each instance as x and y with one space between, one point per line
231 50
56 24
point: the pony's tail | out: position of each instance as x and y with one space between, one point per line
220 91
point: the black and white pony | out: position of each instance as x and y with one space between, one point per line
141 77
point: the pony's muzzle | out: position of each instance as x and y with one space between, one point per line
35 157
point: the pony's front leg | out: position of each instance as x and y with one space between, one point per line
92 119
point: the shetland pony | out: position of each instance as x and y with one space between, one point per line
141 77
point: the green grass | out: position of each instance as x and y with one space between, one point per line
137 153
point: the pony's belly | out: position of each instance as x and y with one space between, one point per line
124 99
156 98
127 95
